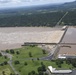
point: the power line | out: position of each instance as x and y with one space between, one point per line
61 19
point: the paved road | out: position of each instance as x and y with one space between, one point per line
61 19
10 61
51 54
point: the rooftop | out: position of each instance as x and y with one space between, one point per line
54 70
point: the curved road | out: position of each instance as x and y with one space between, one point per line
10 61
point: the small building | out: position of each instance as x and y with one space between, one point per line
64 27
61 56
55 71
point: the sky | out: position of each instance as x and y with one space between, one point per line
19 3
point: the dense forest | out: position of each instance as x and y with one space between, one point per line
70 18
39 16
39 19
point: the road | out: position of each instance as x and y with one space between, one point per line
10 61
61 19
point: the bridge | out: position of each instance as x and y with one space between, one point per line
68 43
36 43
41 43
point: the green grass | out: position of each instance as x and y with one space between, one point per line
24 52
32 64
2 59
5 68
65 66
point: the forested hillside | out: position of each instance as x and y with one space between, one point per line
47 15
39 19
70 18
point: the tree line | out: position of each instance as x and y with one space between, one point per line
39 19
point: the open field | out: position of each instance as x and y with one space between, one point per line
32 65
36 52
25 64
14 37
6 68
7 71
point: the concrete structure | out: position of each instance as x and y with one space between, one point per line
60 56
68 44
54 70
14 37
65 56
64 27
67 51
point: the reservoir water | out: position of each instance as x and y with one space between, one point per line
70 36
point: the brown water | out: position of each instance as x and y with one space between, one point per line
70 36
14 37
68 50
27 29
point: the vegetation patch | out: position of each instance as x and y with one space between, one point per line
28 52
5 72
26 61
38 66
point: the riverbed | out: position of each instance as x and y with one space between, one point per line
14 37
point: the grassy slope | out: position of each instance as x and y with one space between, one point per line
24 53
33 65
5 68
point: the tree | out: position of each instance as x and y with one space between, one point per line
5 57
46 74
38 59
41 73
33 72
39 69
43 68
59 61
17 52
59 65
32 45
33 60
7 51
44 52
68 61
3 72
17 74
5 62
29 73
30 55
17 62
42 63
0 54
19 70
11 74
73 62
2 64
25 63
12 51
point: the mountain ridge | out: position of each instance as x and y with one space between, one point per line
62 6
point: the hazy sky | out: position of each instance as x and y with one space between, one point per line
16 3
